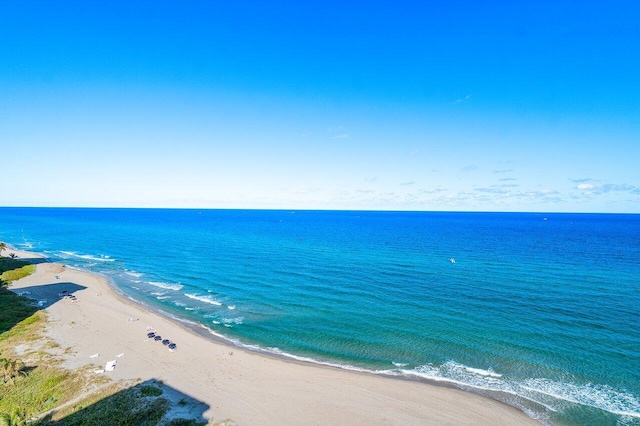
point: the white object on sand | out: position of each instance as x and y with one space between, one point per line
98 371
120 355
94 356
111 365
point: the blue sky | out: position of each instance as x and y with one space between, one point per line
456 105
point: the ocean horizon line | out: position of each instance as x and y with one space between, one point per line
311 210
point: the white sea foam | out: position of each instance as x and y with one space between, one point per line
162 297
547 393
167 286
205 299
400 364
461 374
236 321
277 351
489 373
454 373
133 274
232 307
599 396
100 258
189 309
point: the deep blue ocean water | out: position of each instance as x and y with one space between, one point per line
541 311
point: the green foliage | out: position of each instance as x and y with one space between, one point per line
14 269
41 389
185 422
40 385
10 369
16 418
8 277
148 390
15 310
125 408
7 264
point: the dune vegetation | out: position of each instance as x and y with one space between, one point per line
36 389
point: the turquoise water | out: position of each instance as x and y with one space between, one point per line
539 311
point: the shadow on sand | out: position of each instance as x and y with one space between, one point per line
149 403
34 260
45 295
14 308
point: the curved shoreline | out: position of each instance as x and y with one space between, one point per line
245 385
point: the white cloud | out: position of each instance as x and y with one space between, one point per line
463 100
581 180
337 132
435 190
586 186
603 188
492 190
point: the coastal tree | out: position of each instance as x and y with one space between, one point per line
3 246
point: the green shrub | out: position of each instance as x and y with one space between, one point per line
15 310
185 422
150 391
15 274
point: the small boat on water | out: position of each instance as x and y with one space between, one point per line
452 260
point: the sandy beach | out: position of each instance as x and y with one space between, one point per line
250 388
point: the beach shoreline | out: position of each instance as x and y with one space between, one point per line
236 383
